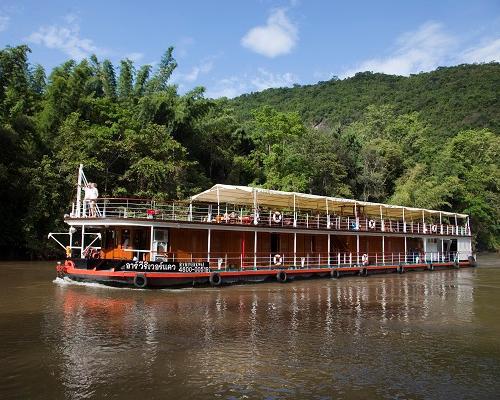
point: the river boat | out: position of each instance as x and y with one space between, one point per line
236 234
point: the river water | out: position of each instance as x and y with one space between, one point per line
422 335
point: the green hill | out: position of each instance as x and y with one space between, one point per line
449 99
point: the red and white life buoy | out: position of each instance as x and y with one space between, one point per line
277 217
434 228
371 224
277 259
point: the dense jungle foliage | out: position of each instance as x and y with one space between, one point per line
428 140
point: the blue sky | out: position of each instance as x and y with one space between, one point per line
233 47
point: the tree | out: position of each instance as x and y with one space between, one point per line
125 80
109 79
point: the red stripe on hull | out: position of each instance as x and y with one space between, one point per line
166 279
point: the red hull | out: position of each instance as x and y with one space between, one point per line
217 278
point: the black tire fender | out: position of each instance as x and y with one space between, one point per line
140 281
472 261
281 276
215 279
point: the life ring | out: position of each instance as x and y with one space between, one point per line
215 279
95 253
371 224
281 276
140 281
364 259
277 217
434 228
277 259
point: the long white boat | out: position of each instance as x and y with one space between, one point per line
230 234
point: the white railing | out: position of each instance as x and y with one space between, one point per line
231 214
239 261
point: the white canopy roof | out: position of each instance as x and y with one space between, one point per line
245 195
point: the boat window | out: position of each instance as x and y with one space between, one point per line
125 238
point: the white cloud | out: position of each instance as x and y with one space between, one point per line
66 39
181 47
422 50
266 79
228 87
277 37
4 22
135 57
263 79
191 76
485 52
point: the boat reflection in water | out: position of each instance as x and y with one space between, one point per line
348 338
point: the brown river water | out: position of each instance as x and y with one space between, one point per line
420 335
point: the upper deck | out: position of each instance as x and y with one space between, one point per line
254 207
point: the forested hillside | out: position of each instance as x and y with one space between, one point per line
430 140
448 99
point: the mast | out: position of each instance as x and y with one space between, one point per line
79 191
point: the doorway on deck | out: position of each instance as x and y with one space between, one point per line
275 243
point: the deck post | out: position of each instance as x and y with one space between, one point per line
208 246
190 211
456 225
406 251
151 244
327 223
442 250
79 192
382 227
295 250
440 223
218 202
425 249
328 249
423 222
404 221
356 216
294 213
255 216
255 250
82 247
383 249
357 249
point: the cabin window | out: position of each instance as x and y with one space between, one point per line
109 239
275 243
125 238
140 239
313 244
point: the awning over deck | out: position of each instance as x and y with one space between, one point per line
245 195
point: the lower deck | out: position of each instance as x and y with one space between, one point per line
242 250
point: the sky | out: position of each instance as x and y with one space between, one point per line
235 47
